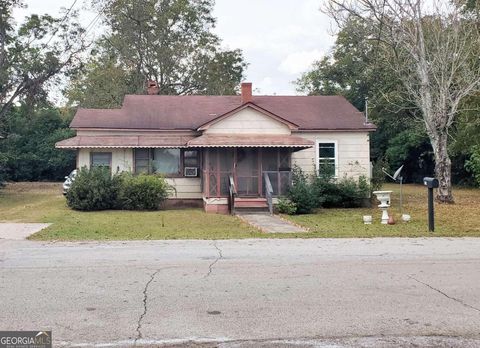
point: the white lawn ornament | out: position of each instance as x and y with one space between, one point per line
384 198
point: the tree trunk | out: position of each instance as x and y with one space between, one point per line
443 169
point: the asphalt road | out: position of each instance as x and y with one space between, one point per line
245 293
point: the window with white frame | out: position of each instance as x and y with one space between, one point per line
327 158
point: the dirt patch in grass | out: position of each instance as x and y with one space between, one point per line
32 188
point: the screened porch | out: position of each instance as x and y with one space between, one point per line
247 167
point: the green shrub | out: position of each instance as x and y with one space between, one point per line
301 192
344 193
97 189
326 191
286 206
473 164
142 192
93 189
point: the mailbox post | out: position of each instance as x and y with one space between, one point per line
431 183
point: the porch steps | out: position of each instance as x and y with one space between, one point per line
251 205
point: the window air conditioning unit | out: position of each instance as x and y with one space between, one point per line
190 171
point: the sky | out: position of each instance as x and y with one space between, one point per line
280 39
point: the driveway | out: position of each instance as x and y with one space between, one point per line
19 231
245 293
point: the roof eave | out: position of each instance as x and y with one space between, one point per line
370 129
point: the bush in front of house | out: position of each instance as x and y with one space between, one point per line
286 206
142 192
326 191
93 189
96 189
301 192
340 193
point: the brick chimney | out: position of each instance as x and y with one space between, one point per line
246 92
152 87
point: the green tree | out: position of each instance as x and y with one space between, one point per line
353 69
35 53
167 41
433 50
102 83
357 69
28 152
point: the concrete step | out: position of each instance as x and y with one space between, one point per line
251 203
252 210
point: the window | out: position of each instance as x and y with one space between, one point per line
190 158
142 161
165 161
327 158
101 159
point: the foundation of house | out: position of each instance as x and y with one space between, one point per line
216 205
176 203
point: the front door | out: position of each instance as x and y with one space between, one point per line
247 172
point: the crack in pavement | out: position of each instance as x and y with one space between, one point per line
145 298
444 294
220 256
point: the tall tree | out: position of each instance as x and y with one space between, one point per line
168 41
434 51
357 69
35 53
102 83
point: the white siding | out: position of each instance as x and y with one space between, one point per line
122 160
186 188
248 121
353 150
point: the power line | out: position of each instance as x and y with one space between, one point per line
93 22
56 30
61 21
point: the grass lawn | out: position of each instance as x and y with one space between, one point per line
43 202
459 219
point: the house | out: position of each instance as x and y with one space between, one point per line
211 146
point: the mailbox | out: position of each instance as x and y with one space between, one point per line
430 182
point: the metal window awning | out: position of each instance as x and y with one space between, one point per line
148 141
123 141
250 140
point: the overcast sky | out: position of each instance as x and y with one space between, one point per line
280 38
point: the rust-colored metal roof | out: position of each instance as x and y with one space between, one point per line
191 112
261 140
123 141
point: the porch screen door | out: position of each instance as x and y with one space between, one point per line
247 174
219 168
